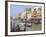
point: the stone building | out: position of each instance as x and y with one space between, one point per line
36 16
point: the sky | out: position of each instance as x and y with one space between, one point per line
16 9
